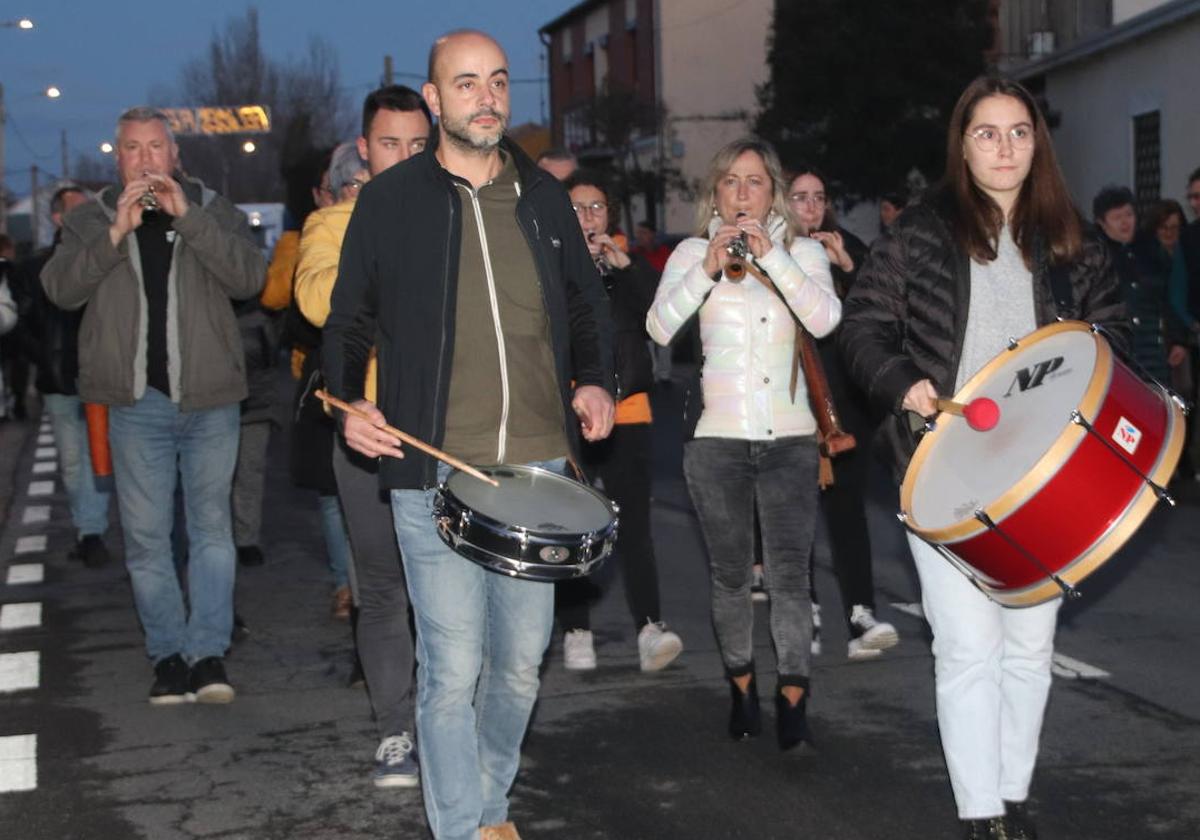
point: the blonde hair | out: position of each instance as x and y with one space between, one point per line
723 161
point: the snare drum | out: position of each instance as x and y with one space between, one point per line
536 525
1081 453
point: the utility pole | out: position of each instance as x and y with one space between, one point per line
388 73
66 173
33 205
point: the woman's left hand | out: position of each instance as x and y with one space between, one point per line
757 238
835 248
612 252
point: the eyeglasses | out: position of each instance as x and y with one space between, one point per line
805 198
987 138
596 207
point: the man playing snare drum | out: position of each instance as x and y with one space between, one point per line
466 268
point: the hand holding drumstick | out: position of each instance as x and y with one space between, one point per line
981 414
366 431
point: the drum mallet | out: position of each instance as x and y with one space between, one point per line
981 413
329 399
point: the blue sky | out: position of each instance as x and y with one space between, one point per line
107 56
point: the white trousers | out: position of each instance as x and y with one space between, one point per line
992 673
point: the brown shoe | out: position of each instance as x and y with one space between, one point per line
504 831
342 602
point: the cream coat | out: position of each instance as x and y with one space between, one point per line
748 334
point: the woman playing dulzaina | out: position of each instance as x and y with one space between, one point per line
755 443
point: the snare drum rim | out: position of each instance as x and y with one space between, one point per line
1043 469
546 537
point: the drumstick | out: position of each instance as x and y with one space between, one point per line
407 438
981 413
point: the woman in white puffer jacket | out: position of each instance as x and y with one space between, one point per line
755 445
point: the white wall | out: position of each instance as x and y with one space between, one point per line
711 55
1099 96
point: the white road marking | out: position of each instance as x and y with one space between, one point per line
44 467
19 573
41 488
34 514
910 609
45 440
20 671
18 763
30 544
45 452
1072 669
21 616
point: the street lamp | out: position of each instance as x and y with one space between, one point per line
53 92
22 23
106 148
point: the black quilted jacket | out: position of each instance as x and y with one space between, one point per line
906 315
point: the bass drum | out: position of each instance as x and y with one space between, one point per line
1077 461
536 524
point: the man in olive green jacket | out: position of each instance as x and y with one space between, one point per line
157 261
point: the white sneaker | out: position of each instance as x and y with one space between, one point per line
658 646
578 653
869 633
858 652
816 630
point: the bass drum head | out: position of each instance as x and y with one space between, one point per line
958 470
532 499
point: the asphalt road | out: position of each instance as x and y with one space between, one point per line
610 754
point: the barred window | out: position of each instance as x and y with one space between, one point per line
1147 158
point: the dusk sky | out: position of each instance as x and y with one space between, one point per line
107 56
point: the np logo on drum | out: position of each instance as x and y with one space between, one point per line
1031 377
1127 436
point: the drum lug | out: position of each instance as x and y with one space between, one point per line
585 547
1013 344
464 522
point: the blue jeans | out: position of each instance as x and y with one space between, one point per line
481 636
89 503
152 440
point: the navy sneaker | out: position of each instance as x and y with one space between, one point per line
396 763
170 682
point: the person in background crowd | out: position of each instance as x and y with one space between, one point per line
998 221
8 315
1185 301
647 246
622 461
891 205
432 241
51 341
843 502
558 162
165 252
1145 291
755 447
14 363
395 126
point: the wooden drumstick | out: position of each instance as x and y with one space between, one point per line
981 413
444 457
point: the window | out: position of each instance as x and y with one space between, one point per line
1147 158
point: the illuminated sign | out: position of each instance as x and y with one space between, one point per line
224 119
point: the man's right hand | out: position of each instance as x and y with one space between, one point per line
129 211
921 398
368 437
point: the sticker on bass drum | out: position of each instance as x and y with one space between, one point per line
1127 435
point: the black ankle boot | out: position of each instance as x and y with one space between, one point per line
1020 824
745 716
995 828
791 722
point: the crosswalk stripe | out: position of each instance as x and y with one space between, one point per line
1072 669
45 452
44 467
34 514
20 573
41 488
21 616
20 671
909 609
45 440
30 544
18 763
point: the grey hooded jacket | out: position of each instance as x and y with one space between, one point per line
214 259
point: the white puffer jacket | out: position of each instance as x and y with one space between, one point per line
747 334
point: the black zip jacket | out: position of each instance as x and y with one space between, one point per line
397 286
630 293
905 317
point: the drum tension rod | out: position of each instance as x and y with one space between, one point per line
1068 590
949 556
1159 490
